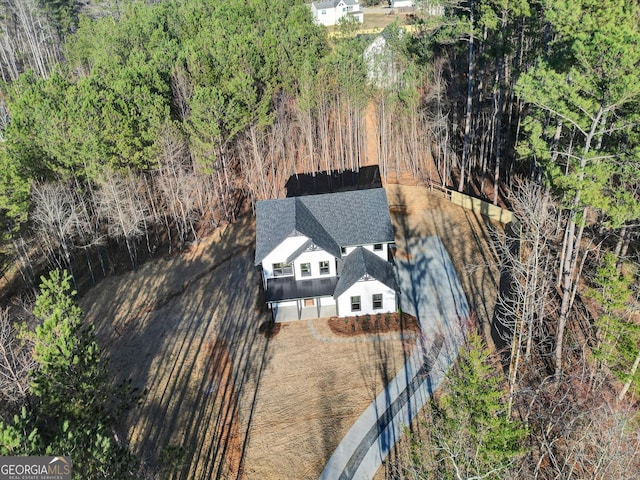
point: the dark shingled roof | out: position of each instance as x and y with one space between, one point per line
331 221
287 288
362 262
278 219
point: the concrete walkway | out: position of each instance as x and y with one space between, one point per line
431 291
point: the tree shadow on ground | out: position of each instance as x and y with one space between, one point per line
334 181
185 330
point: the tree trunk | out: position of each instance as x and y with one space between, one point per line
632 372
572 246
469 105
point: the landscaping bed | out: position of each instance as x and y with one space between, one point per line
371 324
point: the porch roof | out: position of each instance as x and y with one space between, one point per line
288 288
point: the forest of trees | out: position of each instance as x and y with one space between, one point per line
133 127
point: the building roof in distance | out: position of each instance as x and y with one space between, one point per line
333 3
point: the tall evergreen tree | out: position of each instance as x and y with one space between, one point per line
69 414
581 123
618 344
469 432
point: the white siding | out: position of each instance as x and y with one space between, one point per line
332 16
280 253
314 258
365 290
327 301
325 16
383 254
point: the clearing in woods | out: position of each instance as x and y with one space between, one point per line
222 397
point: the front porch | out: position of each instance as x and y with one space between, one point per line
291 299
300 312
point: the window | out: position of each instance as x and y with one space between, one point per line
305 269
308 302
343 250
324 267
323 12
377 247
377 301
282 269
355 304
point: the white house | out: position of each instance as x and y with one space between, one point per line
383 65
330 12
325 255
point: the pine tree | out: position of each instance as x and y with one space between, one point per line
582 97
70 380
470 433
618 336
69 414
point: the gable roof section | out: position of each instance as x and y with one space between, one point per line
278 219
331 220
362 262
353 218
311 226
275 221
303 248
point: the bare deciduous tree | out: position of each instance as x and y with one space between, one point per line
527 284
27 40
121 208
578 433
176 180
55 220
16 361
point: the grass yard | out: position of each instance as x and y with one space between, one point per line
375 22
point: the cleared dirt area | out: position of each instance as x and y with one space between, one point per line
223 396
226 397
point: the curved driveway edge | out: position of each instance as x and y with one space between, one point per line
431 291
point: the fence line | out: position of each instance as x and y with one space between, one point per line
474 204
